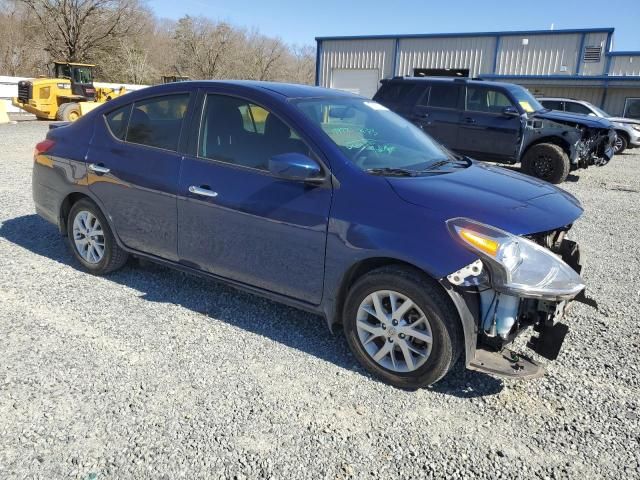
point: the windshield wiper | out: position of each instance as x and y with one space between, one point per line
436 165
392 172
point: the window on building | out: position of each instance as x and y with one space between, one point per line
632 108
444 96
486 100
157 122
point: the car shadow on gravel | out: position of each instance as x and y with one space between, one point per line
293 328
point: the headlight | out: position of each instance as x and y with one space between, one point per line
518 266
636 127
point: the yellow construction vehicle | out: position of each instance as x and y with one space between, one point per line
67 96
174 78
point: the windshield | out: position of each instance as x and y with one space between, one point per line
524 98
599 110
374 138
82 75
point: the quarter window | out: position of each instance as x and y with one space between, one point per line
118 120
239 132
444 96
157 122
486 100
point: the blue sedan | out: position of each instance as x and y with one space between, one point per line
328 202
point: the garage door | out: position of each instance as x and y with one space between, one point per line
360 82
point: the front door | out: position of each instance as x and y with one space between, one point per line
133 169
238 221
486 131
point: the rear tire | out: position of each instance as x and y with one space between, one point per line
91 239
546 161
368 335
620 144
69 112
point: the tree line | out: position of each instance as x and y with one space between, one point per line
129 44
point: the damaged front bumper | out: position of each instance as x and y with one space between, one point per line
499 318
595 147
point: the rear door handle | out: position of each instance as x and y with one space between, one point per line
203 191
94 167
469 120
420 116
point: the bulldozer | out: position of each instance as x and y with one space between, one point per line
66 96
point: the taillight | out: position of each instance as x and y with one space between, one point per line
43 147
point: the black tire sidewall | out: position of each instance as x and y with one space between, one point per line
441 358
109 241
559 159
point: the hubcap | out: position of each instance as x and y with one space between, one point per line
618 145
88 236
394 331
543 166
73 116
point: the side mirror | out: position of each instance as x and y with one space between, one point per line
295 166
510 112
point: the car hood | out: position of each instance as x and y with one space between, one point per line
564 117
624 120
496 196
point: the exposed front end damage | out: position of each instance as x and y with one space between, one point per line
502 316
590 141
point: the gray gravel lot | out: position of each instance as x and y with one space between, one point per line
151 373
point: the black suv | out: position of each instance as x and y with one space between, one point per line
500 122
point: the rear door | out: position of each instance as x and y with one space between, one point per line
238 221
133 166
437 112
486 131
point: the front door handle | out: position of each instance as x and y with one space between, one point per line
99 168
203 191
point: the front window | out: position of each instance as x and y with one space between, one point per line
82 75
374 138
524 98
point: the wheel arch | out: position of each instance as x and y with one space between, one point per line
72 198
554 140
624 134
466 305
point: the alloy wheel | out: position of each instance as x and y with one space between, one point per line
394 331
88 237
617 146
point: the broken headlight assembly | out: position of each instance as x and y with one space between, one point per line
517 266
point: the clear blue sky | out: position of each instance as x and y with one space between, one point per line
301 21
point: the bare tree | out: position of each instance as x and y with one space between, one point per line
75 29
266 56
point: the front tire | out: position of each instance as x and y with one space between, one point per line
620 144
402 327
546 161
91 239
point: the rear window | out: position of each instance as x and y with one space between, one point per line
394 92
444 96
157 122
552 104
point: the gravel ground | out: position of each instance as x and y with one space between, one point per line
151 373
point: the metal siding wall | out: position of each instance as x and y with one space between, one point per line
590 94
625 65
614 104
542 56
474 53
356 54
595 68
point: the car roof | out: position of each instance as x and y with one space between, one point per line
287 90
460 80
